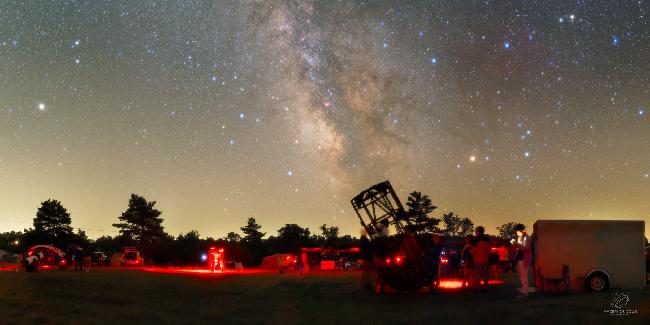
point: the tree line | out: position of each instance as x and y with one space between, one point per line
141 225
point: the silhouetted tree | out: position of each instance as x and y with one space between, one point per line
252 233
188 248
81 239
8 241
252 241
329 233
233 237
507 230
141 221
291 237
417 216
52 224
456 226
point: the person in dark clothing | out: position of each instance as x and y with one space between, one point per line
468 263
78 257
481 255
432 261
365 252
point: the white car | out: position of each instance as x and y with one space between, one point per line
132 257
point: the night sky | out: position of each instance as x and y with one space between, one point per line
284 110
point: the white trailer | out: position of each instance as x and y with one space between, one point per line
599 253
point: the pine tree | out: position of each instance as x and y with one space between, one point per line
141 221
252 233
417 217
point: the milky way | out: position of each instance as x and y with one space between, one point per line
284 110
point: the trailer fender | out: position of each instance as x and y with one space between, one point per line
592 271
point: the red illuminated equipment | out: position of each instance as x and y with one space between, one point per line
52 257
216 259
132 257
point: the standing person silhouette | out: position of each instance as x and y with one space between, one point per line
481 255
524 257
365 250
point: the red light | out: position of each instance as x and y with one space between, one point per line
388 260
444 260
398 260
63 262
288 258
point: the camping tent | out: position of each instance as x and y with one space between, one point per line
276 261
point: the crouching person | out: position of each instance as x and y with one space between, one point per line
31 263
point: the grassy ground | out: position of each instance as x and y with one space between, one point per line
132 296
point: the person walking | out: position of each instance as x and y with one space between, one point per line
524 257
481 255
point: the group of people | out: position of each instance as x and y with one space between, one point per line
476 255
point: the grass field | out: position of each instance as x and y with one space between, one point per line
133 296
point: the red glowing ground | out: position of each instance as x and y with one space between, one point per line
200 271
458 283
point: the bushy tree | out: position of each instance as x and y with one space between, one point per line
141 221
252 233
11 241
252 241
329 233
507 230
456 226
233 237
142 224
188 248
417 216
292 237
52 224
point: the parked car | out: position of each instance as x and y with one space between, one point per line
100 259
132 257
52 256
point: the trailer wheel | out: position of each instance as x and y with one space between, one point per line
597 282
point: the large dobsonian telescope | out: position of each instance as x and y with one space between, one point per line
398 258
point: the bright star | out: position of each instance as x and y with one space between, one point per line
526 154
614 41
506 45
472 158
434 60
41 106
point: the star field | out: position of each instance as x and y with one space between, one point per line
284 110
